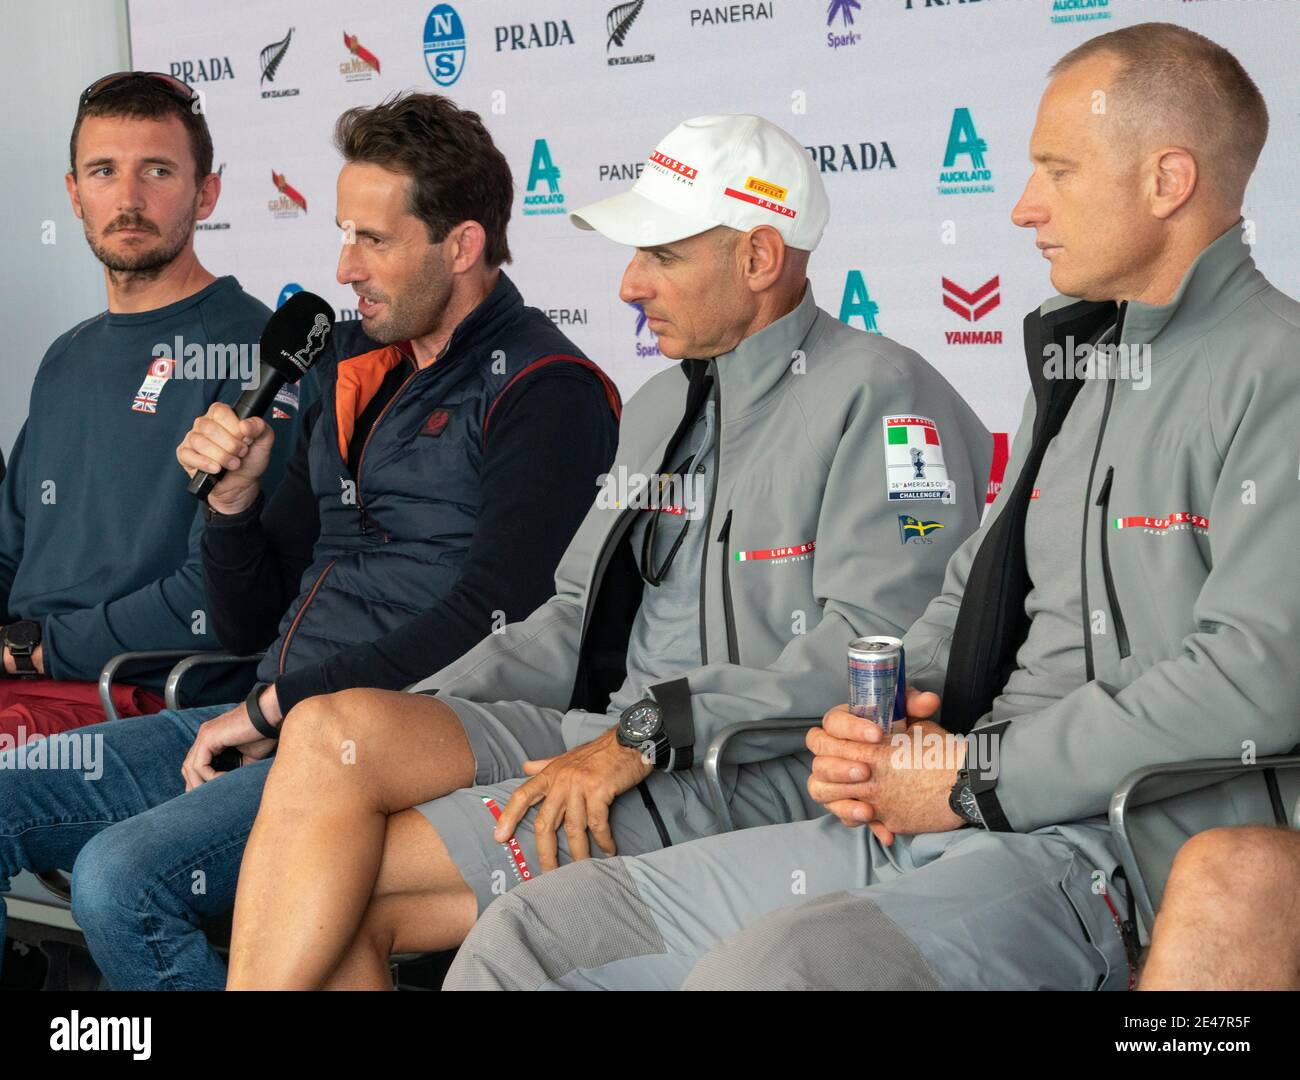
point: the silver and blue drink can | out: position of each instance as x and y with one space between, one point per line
877 681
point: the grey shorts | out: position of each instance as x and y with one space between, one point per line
815 905
667 809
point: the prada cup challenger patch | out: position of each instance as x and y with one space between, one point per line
913 459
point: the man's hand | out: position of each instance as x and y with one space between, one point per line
855 778
233 728
220 440
578 788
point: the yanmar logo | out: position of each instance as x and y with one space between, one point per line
972 306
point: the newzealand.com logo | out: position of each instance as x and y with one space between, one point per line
964 141
618 24
271 58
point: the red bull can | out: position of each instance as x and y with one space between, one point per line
877 681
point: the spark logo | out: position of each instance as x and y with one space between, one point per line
844 9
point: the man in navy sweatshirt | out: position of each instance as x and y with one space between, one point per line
99 541
454 449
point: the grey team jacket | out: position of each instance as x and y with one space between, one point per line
1187 548
808 538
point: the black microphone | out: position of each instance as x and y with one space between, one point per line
294 336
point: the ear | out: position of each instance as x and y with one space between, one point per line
70 182
209 193
467 241
762 253
1175 176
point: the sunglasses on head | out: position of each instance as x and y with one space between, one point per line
182 92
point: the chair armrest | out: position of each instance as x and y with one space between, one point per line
172 688
713 757
121 660
1125 794
56 881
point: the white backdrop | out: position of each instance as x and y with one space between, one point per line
873 86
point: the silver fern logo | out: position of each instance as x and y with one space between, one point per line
618 24
271 58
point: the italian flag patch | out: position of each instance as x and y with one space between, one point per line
914 467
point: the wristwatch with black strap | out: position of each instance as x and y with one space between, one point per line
641 727
22 639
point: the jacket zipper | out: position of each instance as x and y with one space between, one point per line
1089 663
361 458
724 537
293 626
1112 597
708 524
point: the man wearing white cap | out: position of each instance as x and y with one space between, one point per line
792 484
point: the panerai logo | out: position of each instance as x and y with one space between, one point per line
77 1032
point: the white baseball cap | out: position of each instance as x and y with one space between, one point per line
736 170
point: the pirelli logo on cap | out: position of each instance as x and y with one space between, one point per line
763 187
673 165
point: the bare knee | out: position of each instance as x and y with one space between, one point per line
324 726
1248 864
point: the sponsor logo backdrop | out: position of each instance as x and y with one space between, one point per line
917 112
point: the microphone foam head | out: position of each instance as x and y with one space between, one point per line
297 334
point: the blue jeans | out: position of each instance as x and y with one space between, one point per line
149 860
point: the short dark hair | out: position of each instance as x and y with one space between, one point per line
457 173
146 99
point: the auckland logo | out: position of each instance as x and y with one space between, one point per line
271 58
444 44
972 306
618 24
1077 11
857 303
844 9
543 172
964 142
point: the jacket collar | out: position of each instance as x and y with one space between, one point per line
750 371
482 325
1221 278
